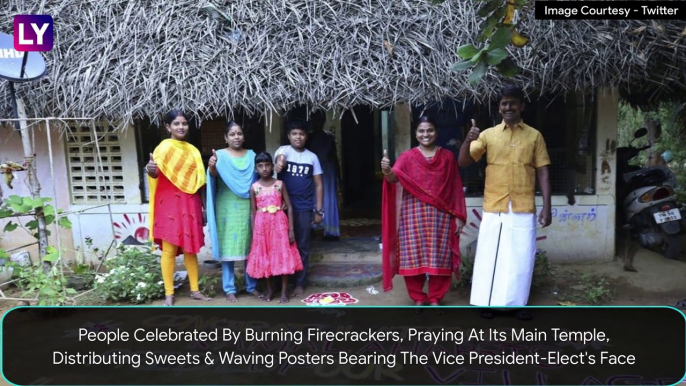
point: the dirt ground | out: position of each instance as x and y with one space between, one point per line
659 281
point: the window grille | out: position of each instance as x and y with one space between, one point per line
92 181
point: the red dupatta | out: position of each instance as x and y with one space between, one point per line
437 183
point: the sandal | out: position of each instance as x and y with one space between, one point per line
169 301
199 296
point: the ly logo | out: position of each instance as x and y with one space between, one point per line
33 33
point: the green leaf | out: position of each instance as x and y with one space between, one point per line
478 73
501 38
20 208
49 210
467 51
49 219
46 199
48 291
6 212
461 66
51 258
64 223
3 254
33 224
491 6
508 68
495 56
71 291
14 199
37 203
487 28
478 56
10 226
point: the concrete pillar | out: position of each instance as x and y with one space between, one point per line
272 132
606 160
403 131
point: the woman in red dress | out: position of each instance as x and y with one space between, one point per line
176 174
421 226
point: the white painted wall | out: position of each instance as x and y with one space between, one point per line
584 231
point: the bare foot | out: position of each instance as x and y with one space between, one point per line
284 298
256 294
169 300
298 291
199 296
231 298
268 296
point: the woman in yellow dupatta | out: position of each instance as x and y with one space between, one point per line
176 174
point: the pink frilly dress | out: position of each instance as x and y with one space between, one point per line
271 253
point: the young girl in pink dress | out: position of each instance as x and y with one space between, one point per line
273 250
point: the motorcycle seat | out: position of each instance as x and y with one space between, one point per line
652 176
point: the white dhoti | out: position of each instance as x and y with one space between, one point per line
505 258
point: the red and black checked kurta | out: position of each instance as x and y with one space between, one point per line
424 233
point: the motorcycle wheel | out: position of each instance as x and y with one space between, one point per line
671 249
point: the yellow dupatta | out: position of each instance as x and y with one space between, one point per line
181 163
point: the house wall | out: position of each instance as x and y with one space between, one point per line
11 149
94 221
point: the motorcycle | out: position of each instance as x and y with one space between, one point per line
648 202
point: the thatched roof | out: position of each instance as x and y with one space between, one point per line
126 59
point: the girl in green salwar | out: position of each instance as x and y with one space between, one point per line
230 174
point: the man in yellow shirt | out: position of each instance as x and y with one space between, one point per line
516 155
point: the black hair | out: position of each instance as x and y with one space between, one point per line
426 119
229 125
264 157
173 114
512 92
296 124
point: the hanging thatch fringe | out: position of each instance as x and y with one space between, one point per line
128 59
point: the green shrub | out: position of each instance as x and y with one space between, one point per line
134 276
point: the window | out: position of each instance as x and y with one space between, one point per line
94 164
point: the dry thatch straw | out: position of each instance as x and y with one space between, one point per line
124 59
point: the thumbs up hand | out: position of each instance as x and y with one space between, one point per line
151 167
473 132
385 163
212 163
